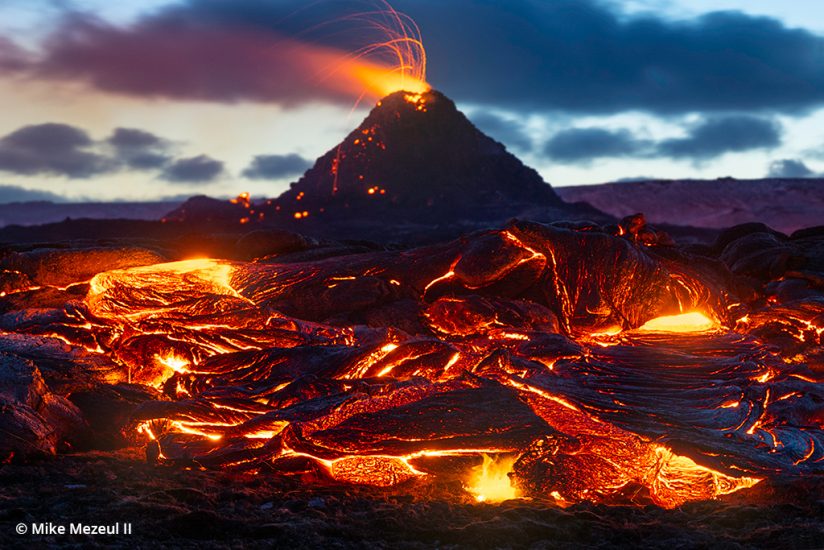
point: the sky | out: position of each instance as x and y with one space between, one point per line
151 99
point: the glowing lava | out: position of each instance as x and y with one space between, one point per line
490 481
159 283
683 323
678 479
380 81
409 367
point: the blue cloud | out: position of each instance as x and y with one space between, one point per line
731 134
710 138
790 168
586 144
585 56
266 167
57 149
14 193
199 169
511 132
139 149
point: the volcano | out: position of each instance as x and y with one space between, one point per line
417 158
416 161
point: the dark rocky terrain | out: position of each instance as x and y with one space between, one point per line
206 509
417 159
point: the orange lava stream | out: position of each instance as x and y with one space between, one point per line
176 327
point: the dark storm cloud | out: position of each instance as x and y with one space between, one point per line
129 139
64 150
585 144
198 169
147 161
584 56
57 149
138 149
575 55
510 132
708 139
266 167
13 193
790 168
731 134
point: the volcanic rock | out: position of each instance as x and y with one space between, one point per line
206 209
63 267
760 255
266 242
33 420
108 409
358 363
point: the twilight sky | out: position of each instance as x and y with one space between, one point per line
143 99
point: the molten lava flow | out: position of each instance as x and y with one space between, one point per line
501 349
212 274
490 481
377 471
173 364
685 323
176 364
678 479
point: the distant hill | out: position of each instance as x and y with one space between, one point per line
783 204
43 212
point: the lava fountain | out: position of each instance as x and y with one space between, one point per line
394 61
